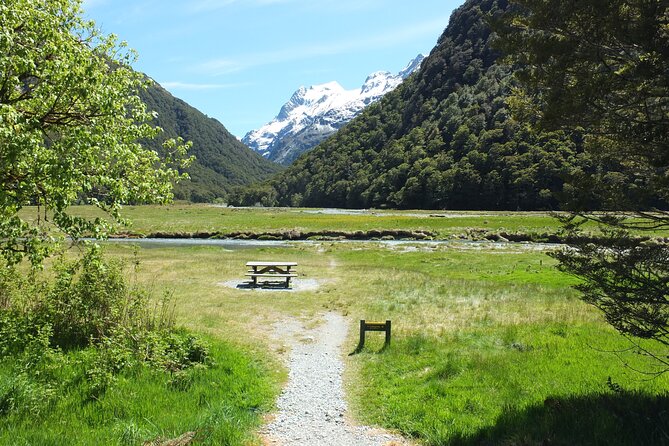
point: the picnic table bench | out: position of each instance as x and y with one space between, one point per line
271 270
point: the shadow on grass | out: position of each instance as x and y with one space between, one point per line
623 418
266 285
360 349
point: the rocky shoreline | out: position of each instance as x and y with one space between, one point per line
475 235
290 235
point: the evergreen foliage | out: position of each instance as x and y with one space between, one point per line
444 139
221 161
600 68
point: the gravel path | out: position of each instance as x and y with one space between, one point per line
312 408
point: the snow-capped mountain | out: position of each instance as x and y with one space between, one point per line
312 114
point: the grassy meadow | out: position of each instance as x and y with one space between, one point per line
490 344
217 405
191 218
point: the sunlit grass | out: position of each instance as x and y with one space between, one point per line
455 386
180 218
487 339
480 338
220 404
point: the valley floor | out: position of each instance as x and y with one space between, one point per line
487 340
491 345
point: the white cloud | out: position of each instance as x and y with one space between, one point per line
331 5
218 67
213 5
195 86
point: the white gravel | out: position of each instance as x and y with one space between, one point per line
312 407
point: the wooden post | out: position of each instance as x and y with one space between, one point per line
373 326
361 343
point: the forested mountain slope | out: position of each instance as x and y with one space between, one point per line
221 161
443 139
315 113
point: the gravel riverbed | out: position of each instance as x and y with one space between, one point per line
312 407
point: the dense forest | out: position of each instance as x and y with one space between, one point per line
444 139
221 161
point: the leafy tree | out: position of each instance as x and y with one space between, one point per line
599 68
70 126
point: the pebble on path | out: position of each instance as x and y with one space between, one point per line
312 407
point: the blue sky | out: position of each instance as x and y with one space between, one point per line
239 60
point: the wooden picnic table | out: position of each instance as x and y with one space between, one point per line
271 270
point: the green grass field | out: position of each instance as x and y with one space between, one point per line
490 343
180 218
488 346
219 404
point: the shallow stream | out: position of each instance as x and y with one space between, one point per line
236 244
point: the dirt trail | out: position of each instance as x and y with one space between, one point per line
312 407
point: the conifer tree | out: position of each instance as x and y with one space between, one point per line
599 69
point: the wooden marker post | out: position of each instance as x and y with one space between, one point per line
373 326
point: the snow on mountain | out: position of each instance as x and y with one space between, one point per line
313 114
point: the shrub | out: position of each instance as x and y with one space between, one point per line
89 306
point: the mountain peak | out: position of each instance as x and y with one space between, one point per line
314 113
379 83
333 85
413 66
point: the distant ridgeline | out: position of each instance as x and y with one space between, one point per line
222 161
444 139
313 114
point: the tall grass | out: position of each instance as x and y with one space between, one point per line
84 360
495 348
473 385
220 404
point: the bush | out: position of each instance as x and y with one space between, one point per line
90 299
88 306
